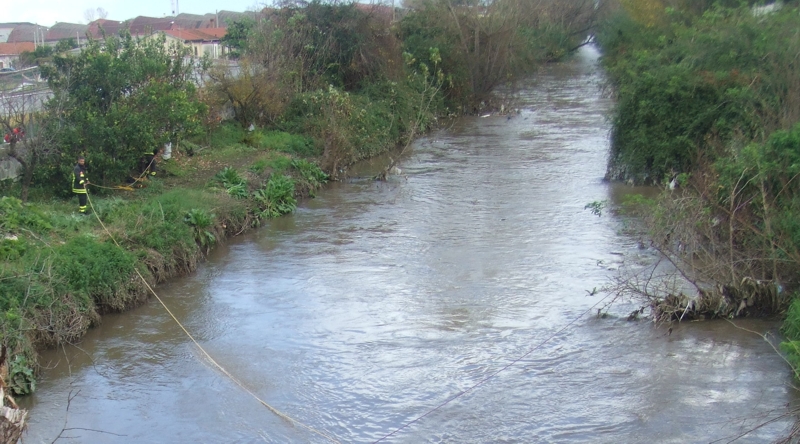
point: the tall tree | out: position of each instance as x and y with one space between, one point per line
120 97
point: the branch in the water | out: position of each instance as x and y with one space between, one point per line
588 41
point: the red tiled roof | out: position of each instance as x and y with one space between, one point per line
16 48
61 31
110 27
193 35
24 32
143 24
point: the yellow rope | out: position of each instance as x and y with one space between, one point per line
213 361
118 187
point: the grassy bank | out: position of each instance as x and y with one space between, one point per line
61 270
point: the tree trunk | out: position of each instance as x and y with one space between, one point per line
27 170
12 424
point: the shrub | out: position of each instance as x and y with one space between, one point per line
288 143
311 173
15 215
99 270
276 197
202 224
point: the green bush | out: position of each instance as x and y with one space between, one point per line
99 270
12 249
288 143
202 223
791 331
311 173
687 92
15 215
276 197
21 379
227 134
229 177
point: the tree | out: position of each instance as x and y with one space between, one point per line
235 38
252 91
118 98
90 14
21 116
40 55
327 43
486 43
65 45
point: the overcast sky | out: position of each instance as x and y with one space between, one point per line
48 12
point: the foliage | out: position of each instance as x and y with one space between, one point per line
201 222
227 134
287 143
118 98
229 177
310 172
276 197
791 331
756 190
21 379
320 44
596 207
15 215
40 55
486 45
235 38
690 88
95 269
253 92
12 249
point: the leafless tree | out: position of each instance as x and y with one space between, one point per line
91 14
22 116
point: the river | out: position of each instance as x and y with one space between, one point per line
449 304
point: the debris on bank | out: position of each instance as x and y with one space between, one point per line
751 297
12 418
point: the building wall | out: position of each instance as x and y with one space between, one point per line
5 32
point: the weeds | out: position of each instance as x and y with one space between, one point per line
276 197
201 223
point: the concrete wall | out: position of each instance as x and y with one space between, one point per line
9 168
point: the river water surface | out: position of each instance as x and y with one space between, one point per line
449 304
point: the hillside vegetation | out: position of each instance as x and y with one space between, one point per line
708 105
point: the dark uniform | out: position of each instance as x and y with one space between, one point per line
79 182
148 163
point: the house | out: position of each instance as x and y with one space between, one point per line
65 31
27 32
9 52
102 27
5 30
143 25
202 42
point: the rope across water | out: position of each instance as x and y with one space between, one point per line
205 353
311 429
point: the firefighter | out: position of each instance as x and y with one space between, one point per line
147 164
79 182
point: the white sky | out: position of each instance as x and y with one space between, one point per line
48 12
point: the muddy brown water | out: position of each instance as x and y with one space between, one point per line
376 302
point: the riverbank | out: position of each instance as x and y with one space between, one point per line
63 270
377 301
